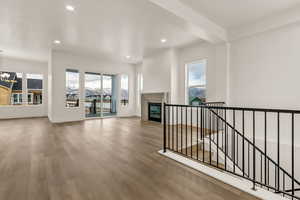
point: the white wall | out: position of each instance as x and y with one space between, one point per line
264 72
156 71
265 69
25 66
60 61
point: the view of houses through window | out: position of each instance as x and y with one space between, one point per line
34 89
196 82
11 88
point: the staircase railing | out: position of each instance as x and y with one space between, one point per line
253 143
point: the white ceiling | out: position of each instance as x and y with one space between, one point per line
233 13
110 28
114 28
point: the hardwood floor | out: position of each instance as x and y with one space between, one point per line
107 159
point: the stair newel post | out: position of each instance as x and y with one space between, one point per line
165 129
254 157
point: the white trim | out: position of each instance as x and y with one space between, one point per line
234 181
201 61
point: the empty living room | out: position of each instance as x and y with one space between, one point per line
149 99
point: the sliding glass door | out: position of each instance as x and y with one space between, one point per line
100 95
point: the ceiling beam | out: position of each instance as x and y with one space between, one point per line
197 24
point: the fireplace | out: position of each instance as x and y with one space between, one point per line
154 112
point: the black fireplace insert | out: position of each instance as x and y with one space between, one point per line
154 112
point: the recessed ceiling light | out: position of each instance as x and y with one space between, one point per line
70 8
128 57
57 42
163 40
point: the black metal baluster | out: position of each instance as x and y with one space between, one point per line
169 127
278 151
261 181
203 133
222 122
181 127
186 123
197 110
254 157
173 128
293 156
268 173
165 129
217 139
210 137
233 140
226 140
237 149
191 132
243 151
283 184
177 128
265 147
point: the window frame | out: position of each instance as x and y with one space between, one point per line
13 103
74 70
11 100
128 82
30 93
187 87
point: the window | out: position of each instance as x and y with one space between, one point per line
16 99
124 90
30 98
72 88
34 89
139 88
10 88
196 82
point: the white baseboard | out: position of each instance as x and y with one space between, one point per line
239 183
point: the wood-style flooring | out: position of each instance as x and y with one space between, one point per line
109 159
